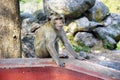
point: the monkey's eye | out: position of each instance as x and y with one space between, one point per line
59 18
56 18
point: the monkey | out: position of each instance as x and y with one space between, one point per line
47 36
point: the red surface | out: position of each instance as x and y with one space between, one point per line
43 73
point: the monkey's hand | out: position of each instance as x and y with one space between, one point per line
61 64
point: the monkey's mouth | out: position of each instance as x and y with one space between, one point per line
59 27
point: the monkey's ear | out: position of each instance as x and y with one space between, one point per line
49 16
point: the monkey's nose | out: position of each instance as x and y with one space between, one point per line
60 23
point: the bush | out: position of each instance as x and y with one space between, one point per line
113 5
118 46
107 45
77 46
25 1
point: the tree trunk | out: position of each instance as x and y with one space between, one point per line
9 29
45 7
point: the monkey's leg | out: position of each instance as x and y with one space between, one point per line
57 47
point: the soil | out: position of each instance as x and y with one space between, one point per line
106 58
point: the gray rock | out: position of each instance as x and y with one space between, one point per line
98 12
26 26
110 40
111 32
107 34
25 15
111 64
112 27
82 24
83 54
70 8
27 37
87 38
113 18
28 46
39 15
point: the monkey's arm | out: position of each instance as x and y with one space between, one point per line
65 42
50 45
67 45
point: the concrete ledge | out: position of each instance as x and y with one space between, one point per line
71 64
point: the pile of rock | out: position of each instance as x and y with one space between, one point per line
91 21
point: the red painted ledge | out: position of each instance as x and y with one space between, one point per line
46 69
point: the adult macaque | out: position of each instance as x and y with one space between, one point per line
46 39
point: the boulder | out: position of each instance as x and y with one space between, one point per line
111 32
113 18
112 27
28 46
98 12
70 8
86 38
26 26
25 15
82 24
39 15
27 38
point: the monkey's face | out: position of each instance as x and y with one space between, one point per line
59 23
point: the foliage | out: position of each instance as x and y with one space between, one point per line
118 46
85 49
77 46
107 45
24 1
113 5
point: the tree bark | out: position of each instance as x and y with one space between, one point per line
45 7
9 29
